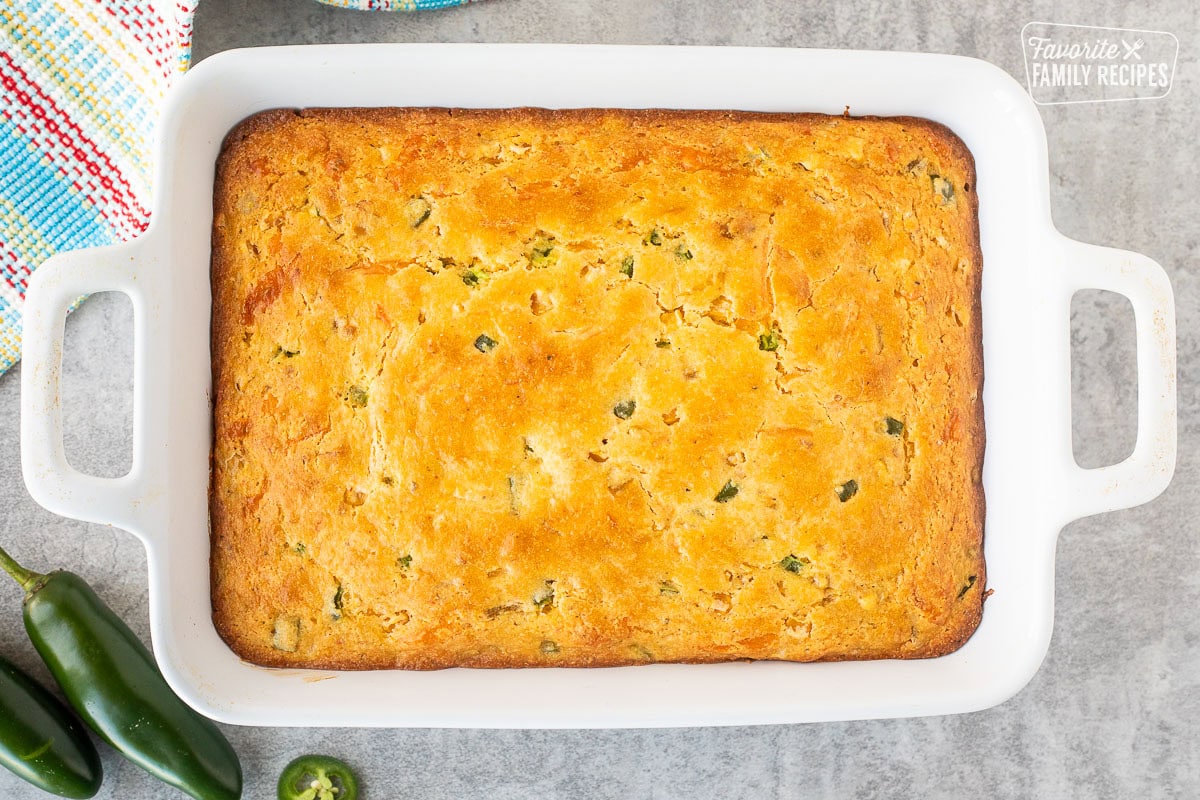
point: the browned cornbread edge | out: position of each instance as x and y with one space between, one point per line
976 432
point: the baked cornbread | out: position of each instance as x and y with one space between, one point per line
509 388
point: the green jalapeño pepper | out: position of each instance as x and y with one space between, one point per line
41 740
111 679
317 778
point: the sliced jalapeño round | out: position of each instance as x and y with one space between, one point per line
316 777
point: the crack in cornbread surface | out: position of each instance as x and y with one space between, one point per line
526 387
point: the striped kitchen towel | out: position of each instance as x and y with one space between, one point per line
82 83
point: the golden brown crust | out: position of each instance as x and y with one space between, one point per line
428 328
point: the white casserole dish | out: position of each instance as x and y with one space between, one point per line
1032 482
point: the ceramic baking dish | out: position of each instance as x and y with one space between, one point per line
1032 482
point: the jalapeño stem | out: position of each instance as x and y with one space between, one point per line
26 577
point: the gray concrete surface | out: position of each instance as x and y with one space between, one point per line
1114 711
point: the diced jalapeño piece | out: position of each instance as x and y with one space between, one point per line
792 564
768 341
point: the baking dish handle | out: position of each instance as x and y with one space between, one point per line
51 480
1146 472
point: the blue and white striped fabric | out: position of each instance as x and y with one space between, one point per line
82 82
